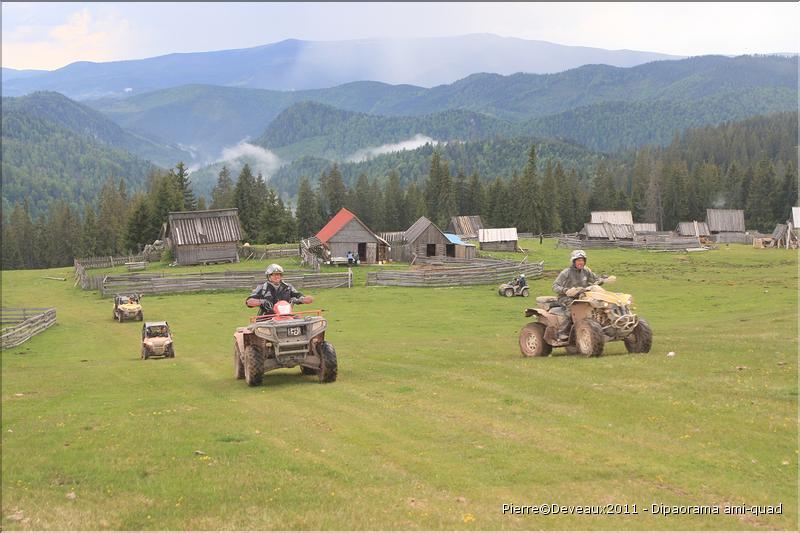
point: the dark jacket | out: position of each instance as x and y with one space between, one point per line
271 294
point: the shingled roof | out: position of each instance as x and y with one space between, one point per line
204 227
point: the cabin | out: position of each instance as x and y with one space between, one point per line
607 231
425 239
612 217
203 237
498 239
727 226
345 232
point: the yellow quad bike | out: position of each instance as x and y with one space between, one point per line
127 306
598 316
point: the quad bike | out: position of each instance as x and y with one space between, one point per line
284 339
598 316
157 340
509 289
127 306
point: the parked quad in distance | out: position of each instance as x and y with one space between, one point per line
157 340
127 306
598 316
509 289
285 339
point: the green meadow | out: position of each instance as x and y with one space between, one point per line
435 422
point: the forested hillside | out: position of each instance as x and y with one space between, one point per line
89 123
713 87
544 187
43 161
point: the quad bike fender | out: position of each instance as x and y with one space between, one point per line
530 311
238 335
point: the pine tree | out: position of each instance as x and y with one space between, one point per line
308 219
333 193
415 205
222 194
181 176
460 192
164 197
201 203
248 200
271 220
446 204
393 204
138 230
65 232
527 195
475 197
361 201
111 217
654 208
760 198
788 196
551 219
89 237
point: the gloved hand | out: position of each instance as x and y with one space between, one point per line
573 291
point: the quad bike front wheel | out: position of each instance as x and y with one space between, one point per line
508 293
525 293
531 341
589 337
253 365
330 367
641 338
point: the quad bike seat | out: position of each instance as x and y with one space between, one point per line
550 303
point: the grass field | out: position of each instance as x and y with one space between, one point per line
435 421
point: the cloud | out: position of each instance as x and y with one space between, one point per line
84 35
259 159
411 144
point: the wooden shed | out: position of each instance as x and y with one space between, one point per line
498 239
345 232
465 227
459 249
201 237
645 227
725 220
425 239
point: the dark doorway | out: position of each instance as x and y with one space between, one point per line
451 250
430 250
362 252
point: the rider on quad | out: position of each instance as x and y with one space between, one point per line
274 290
569 283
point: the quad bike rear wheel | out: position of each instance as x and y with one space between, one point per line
330 367
253 365
139 316
641 338
589 337
145 355
531 341
238 365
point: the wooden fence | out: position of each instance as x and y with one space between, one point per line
672 244
20 325
487 272
262 252
164 283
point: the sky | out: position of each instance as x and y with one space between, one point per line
41 35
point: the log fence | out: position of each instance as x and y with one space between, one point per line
19 325
488 272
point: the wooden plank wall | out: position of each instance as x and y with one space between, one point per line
19 325
229 280
482 274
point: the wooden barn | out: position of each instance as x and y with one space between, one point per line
727 225
465 227
345 232
645 227
459 249
425 239
201 237
498 239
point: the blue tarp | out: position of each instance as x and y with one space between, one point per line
454 239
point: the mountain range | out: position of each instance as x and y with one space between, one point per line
299 65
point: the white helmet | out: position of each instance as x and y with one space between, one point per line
577 254
274 268
522 275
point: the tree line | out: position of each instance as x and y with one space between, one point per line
748 165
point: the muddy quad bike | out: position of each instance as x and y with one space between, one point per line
127 306
157 340
284 339
509 289
598 316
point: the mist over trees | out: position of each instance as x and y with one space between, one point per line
747 165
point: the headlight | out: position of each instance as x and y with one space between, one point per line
318 326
